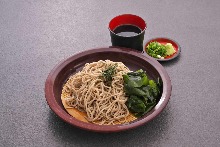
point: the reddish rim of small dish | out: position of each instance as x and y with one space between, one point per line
163 40
60 111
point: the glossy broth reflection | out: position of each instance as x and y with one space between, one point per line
127 30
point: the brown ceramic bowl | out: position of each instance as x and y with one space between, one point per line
133 59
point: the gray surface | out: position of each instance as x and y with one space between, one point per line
36 35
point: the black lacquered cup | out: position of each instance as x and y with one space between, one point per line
129 37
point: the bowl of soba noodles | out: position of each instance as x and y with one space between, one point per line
108 89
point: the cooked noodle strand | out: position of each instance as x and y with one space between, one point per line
88 93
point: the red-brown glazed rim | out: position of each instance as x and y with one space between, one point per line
127 19
51 85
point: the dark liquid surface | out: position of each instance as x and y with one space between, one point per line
127 30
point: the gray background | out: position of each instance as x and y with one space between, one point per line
35 35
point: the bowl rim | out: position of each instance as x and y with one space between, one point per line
50 97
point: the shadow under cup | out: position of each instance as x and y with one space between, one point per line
128 31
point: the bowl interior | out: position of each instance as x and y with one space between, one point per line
60 74
77 65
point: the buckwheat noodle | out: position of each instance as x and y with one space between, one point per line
87 92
